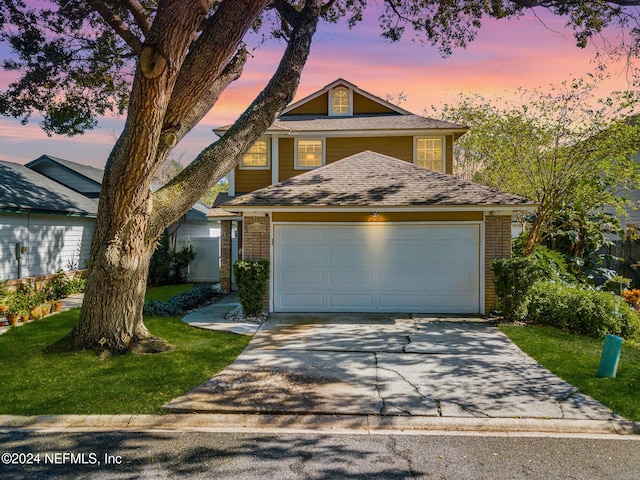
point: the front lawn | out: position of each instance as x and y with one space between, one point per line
575 358
32 383
165 292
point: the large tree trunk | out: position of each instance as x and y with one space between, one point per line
131 218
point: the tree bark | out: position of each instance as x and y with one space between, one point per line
131 218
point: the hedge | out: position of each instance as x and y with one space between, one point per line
588 312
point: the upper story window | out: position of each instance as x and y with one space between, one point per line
309 154
257 157
429 153
340 102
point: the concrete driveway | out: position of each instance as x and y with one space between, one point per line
387 365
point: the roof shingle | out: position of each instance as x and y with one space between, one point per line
370 179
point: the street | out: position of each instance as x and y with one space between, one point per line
260 455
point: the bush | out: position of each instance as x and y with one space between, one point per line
251 277
515 276
588 312
178 305
168 267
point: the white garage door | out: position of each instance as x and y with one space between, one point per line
377 268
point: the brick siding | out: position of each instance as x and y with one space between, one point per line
256 243
497 244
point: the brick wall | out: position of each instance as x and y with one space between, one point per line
497 244
256 243
225 255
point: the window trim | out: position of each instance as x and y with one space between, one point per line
349 112
442 138
268 166
295 152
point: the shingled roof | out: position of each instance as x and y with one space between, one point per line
24 190
373 180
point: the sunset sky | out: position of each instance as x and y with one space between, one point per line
505 55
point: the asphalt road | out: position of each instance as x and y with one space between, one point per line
267 456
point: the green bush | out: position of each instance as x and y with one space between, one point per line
587 312
181 303
251 278
517 275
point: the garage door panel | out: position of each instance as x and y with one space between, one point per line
348 256
352 302
304 277
350 277
394 268
302 302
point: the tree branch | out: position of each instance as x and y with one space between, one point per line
139 13
117 24
219 158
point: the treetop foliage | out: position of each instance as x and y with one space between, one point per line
74 60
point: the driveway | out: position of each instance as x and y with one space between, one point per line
388 365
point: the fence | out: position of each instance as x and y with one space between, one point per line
629 252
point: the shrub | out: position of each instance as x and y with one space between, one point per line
632 297
588 312
179 304
169 267
515 276
251 277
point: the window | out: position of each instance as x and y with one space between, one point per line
429 153
309 154
257 156
340 102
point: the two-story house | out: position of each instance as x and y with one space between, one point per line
353 201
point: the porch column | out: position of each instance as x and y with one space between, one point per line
497 244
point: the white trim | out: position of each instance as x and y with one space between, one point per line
415 132
295 152
275 159
331 92
351 86
443 139
268 166
481 245
231 177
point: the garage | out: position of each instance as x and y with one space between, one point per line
377 267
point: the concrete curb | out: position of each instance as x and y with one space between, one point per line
315 423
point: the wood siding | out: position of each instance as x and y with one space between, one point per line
317 106
363 104
250 180
398 147
52 241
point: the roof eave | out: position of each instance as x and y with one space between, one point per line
525 207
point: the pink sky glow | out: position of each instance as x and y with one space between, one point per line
505 55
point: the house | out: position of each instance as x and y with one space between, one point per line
353 201
44 225
49 178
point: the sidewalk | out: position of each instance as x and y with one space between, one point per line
213 317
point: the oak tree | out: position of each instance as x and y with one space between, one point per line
164 64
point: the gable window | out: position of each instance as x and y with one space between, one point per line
429 153
257 157
340 102
309 154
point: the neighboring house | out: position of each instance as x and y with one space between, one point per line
44 226
52 177
352 200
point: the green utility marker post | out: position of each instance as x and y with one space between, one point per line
610 356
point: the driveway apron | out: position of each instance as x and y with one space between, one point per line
386 364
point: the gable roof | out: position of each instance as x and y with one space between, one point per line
91 173
373 180
24 190
395 118
342 81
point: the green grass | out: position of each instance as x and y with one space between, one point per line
165 292
576 358
32 383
